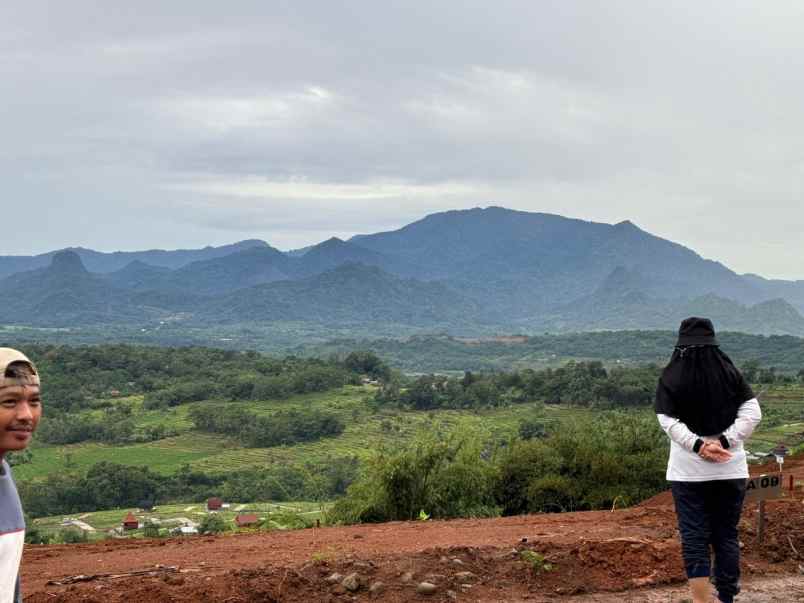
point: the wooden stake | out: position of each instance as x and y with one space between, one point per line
761 522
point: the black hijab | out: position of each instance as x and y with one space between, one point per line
700 386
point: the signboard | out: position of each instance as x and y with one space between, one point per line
763 487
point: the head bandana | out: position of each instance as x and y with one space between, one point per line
9 356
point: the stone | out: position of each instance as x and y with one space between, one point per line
376 588
335 578
351 582
434 578
456 561
426 588
451 594
366 565
465 576
407 577
646 580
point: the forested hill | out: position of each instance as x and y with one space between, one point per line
423 354
468 272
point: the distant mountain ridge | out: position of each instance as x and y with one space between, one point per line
495 267
97 261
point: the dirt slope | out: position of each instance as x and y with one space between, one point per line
634 553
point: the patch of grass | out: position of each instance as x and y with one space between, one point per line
163 456
324 555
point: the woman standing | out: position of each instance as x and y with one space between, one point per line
708 410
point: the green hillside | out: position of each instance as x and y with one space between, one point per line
367 428
125 425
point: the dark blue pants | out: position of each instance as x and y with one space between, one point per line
708 513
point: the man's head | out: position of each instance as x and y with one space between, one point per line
20 401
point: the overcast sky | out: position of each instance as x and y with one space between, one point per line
133 125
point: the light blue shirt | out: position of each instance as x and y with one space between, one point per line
12 537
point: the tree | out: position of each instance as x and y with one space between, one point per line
750 370
367 363
767 375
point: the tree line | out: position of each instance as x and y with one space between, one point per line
425 353
576 383
284 427
74 378
80 385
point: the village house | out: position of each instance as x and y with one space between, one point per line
130 522
214 504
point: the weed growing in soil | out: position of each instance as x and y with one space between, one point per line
324 555
536 561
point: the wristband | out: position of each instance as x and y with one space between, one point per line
697 446
724 441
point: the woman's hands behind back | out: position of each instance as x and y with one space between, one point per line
714 452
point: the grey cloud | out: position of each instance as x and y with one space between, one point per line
681 116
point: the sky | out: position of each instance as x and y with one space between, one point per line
138 125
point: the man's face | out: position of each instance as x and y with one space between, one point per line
20 411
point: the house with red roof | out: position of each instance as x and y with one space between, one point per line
130 522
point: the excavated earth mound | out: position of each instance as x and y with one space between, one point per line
625 555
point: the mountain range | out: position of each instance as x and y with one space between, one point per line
456 270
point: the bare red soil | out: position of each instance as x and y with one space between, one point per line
627 551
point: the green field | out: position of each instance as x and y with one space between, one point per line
783 418
273 515
367 429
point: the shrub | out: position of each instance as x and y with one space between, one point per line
535 561
35 535
585 465
212 524
443 475
72 536
150 530
530 429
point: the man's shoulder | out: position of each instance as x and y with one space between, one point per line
11 517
